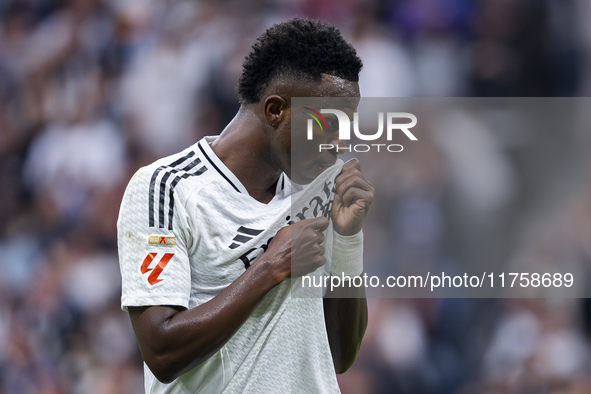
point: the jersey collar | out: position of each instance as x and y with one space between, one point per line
218 165
204 147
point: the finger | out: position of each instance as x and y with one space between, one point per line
355 195
319 223
337 203
321 250
348 175
320 237
315 223
354 182
319 261
344 175
352 164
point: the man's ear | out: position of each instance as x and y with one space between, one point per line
275 108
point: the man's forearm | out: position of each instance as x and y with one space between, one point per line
173 341
345 307
346 321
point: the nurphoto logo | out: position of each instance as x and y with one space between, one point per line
393 124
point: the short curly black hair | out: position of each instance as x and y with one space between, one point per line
299 47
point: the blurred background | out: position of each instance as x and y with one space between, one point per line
90 90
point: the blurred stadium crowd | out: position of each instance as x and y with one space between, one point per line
90 90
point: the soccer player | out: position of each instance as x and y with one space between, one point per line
209 248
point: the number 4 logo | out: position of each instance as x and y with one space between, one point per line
157 270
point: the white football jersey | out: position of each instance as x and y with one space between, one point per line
188 228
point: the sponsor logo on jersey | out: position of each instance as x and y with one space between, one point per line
161 240
155 269
244 235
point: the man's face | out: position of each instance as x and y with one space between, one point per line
307 161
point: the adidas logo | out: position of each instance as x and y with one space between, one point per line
244 235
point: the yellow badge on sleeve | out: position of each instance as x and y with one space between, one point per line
161 240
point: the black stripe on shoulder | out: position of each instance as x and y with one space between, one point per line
175 181
216 167
153 184
163 181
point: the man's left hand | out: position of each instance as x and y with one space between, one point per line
353 197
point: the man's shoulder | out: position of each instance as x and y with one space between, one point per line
163 176
156 200
158 190
177 162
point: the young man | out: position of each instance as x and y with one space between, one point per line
209 248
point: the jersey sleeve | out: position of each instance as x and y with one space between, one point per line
152 237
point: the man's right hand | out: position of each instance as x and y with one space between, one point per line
297 249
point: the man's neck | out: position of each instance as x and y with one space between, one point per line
243 148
